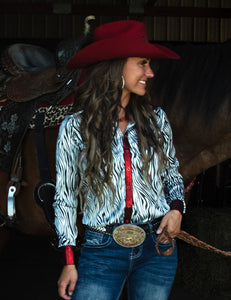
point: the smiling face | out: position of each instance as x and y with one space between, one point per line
136 72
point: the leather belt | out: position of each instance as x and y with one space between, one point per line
149 227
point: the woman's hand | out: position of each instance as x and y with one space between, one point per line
173 222
67 281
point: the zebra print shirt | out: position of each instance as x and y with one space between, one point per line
148 202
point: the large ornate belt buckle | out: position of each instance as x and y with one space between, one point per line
129 235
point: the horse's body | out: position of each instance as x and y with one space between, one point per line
194 92
29 86
30 216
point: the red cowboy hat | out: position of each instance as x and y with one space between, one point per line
119 39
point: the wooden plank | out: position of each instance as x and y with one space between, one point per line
39 26
225 30
225 33
149 23
213 31
200 24
65 26
173 20
77 25
116 10
186 23
160 24
52 27
213 34
173 29
225 3
160 29
173 23
25 26
11 26
187 29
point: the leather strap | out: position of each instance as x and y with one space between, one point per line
45 190
41 148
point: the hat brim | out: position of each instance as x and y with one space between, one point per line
118 48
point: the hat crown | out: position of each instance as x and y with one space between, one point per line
121 29
119 39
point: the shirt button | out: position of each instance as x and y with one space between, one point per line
128 169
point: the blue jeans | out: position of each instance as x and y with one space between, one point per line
104 267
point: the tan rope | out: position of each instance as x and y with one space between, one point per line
190 239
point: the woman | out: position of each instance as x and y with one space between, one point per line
116 160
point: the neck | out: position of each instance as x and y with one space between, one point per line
122 106
125 98
121 113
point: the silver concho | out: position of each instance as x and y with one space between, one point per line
129 235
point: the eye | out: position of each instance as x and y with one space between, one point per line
144 62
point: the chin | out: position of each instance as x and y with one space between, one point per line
141 93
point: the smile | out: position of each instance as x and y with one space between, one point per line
142 82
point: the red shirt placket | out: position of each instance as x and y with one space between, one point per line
128 180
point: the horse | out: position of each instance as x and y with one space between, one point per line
34 90
194 91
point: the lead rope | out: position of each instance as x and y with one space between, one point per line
186 237
190 239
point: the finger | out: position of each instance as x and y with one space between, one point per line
162 227
71 288
159 230
62 292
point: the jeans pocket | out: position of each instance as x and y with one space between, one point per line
164 247
96 239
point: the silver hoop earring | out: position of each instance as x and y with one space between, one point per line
123 82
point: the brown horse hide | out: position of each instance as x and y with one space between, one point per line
32 78
195 92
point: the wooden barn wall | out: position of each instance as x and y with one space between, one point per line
35 25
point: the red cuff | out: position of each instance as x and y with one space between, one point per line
177 205
69 255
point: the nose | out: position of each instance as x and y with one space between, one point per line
149 72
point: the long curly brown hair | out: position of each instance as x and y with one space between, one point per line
99 98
